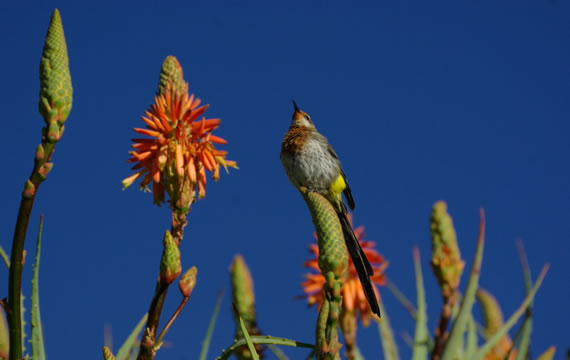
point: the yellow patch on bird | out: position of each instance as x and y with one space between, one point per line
338 186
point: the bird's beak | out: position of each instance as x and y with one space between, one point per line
295 105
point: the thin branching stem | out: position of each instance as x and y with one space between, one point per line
170 322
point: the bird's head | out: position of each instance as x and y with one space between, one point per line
301 118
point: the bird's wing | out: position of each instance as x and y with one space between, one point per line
347 192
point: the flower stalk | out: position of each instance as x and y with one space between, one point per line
447 266
173 157
55 104
333 264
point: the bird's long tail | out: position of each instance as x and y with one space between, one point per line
361 263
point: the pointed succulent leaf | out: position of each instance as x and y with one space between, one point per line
210 331
524 344
389 346
459 325
131 341
493 340
37 340
421 338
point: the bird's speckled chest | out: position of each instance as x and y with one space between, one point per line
307 160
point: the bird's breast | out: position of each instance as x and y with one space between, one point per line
307 161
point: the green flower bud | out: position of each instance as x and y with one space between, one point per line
170 266
56 92
44 170
29 189
53 132
188 281
242 286
244 299
40 153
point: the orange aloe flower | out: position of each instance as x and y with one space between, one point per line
353 298
179 148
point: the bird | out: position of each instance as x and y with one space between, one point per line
310 162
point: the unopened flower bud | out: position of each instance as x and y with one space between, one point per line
45 169
170 266
188 281
40 153
56 91
53 132
29 189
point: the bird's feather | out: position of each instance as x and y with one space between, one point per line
359 259
347 191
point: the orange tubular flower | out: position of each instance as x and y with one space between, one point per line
353 297
178 149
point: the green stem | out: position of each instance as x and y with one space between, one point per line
158 342
16 258
15 279
147 344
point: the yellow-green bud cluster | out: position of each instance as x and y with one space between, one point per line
171 75
56 92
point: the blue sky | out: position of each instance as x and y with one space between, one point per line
462 101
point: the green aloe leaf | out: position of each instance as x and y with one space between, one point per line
493 340
124 351
262 339
526 329
401 297
471 347
387 339
459 325
421 337
211 325
37 340
5 257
